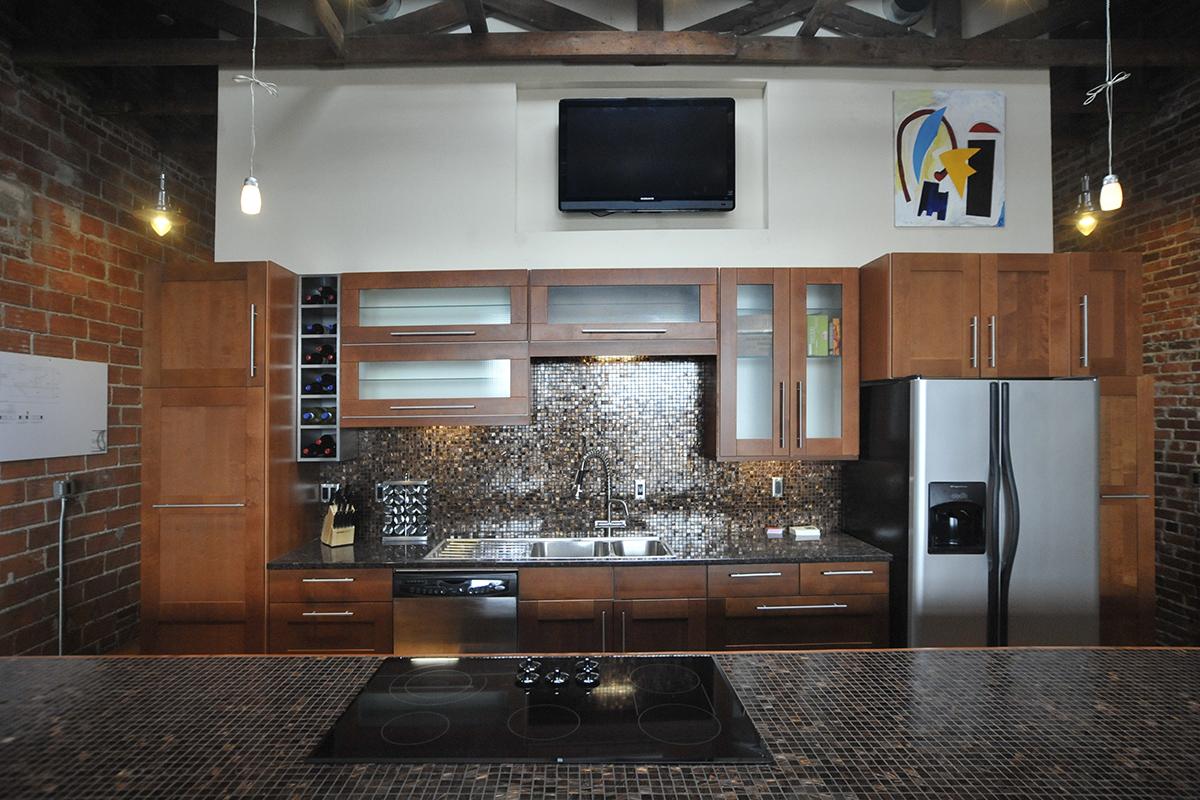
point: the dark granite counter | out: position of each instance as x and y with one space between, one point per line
1095 723
372 553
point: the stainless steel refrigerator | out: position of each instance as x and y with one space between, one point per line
986 494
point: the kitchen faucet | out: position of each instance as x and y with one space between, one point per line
608 523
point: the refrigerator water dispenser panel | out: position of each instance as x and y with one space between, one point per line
956 518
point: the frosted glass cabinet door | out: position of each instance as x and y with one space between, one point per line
482 384
623 312
427 307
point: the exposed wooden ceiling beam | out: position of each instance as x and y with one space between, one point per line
774 18
649 15
222 16
542 15
328 21
476 16
947 19
673 47
724 23
436 18
849 21
816 17
1054 18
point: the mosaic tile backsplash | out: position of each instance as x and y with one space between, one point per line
648 417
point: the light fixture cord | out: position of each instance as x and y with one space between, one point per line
1110 80
252 79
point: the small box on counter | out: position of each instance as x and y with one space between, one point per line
806 533
774 533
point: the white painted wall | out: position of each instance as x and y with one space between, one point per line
432 168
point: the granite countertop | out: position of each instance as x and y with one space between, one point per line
1096 723
832 546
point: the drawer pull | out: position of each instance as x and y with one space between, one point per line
756 574
328 614
622 330
441 407
432 333
848 572
1126 496
198 505
327 580
796 608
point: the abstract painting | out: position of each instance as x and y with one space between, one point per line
949 151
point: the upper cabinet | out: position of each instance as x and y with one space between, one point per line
965 315
788 364
1106 308
587 312
435 307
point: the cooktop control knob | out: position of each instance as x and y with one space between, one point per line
529 665
527 678
587 665
587 679
557 677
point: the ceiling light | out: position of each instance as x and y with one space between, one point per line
1085 214
1111 195
251 200
161 216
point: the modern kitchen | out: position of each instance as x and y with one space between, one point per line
655 399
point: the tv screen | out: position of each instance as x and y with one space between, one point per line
646 154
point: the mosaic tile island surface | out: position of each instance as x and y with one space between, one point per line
647 415
1018 724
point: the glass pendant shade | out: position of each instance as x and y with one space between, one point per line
1111 195
251 197
1085 215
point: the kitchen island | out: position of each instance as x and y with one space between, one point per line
928 723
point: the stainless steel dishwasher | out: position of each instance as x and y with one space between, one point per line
436 613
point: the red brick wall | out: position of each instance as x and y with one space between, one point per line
71 262
1158 160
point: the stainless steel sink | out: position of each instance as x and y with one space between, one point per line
639 547
569 548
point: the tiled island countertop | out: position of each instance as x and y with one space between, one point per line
1040 723
370 552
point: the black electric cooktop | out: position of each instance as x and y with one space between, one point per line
547 709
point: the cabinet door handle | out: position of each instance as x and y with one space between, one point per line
797 608
781 414
974 342
328 614
623 330
198 505
992 331
327 580
604 631
1126 496
799 413
1083 354
756 574
624 647
443 407
253 320
848 572
432 333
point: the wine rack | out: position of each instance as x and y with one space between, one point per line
320 329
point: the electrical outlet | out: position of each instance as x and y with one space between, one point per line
639 489
328 490
776 486
64 488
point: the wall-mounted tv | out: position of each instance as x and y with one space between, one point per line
646 154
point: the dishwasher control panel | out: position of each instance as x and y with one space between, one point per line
456 584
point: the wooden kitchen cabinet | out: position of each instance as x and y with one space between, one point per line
1127 569
565 626
220 482
788 364
1106 314
798 622
662 626
596 312
435 384
331 628
435 307
1024 316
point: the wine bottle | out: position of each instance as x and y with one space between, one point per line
326 415
326 446
310 415
329 383
314 327
328 294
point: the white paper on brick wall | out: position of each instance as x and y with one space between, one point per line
52 407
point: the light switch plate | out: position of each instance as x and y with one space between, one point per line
639 489
328 490
776 486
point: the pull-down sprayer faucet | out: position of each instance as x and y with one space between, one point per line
608 523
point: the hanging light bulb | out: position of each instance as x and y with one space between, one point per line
1085 215
1111 196
161 216
251 197
251 200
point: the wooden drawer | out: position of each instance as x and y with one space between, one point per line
753 580
850 577
565 583
331 628
637 583
801 621
330 585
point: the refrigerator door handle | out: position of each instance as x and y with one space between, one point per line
992 520
1012 514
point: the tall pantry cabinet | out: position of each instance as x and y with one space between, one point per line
221 488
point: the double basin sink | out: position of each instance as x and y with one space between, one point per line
558 549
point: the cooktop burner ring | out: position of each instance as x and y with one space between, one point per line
697 725
664 678
418 688
404 730
567 718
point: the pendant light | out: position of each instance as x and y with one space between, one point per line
1085 214
162 216
251 200
1111 194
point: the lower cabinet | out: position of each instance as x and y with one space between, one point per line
658 626
565 626
799 621
330 611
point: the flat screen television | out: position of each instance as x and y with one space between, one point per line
646 154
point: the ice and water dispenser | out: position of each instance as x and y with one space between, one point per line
956 518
